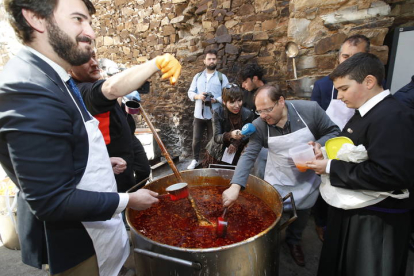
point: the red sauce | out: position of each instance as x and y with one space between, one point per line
175 223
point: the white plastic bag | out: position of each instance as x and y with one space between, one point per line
352 199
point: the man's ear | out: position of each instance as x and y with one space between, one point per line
255 79
37 23
370 81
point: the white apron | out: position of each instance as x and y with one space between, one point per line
282 173
338 112
110 239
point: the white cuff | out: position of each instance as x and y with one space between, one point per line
123 202
328 166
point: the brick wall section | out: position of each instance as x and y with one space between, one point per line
244 31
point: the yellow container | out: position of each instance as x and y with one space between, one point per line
333 145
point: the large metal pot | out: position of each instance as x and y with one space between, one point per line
258 255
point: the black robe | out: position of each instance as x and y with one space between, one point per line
373 241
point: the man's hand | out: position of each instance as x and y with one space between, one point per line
230 195
142 199
169 66
319 166
317 149
118 164
201 96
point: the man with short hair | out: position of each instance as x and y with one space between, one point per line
372 240
205 90
116 125
50 146
283 125
251 78
325 94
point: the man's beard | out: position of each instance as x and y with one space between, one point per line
211 66
64 46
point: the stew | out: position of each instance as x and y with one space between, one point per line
175 223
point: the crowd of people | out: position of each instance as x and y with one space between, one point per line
68 144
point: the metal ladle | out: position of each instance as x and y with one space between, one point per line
176 191
292 50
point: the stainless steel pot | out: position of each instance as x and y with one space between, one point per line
258 255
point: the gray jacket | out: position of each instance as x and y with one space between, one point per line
315 117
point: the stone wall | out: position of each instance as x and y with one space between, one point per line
244 31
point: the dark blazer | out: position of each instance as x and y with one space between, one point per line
386 131
322 92
44 150
406 94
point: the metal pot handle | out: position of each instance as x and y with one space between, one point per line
196 266
295 216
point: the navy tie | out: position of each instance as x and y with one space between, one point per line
72 87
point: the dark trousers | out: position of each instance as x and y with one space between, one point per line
295 229
138 168
320 212
141 166
199 126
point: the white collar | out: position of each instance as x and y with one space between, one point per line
373 102
61 72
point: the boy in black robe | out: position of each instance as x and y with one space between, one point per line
373 240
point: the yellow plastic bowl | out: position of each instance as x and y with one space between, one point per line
333 145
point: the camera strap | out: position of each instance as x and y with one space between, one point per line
211 110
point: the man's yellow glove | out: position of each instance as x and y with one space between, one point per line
169 66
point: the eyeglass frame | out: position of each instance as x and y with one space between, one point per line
265 111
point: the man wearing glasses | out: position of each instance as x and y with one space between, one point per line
283 125
205 90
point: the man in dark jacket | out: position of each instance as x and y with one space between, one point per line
372 240
116 125
68 206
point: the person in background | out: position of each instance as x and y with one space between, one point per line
406 96
251 78
283 125
372 240
228 120
116 125
325 94
205 90
50 146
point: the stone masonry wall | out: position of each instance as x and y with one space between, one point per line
244 31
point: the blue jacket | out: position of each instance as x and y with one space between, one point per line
406 94
44 150
322 92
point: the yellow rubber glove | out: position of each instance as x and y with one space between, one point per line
169 66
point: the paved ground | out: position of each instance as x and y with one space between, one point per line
11 264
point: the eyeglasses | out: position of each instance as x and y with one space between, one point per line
230 85
267 111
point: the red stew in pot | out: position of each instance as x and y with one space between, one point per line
175 222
